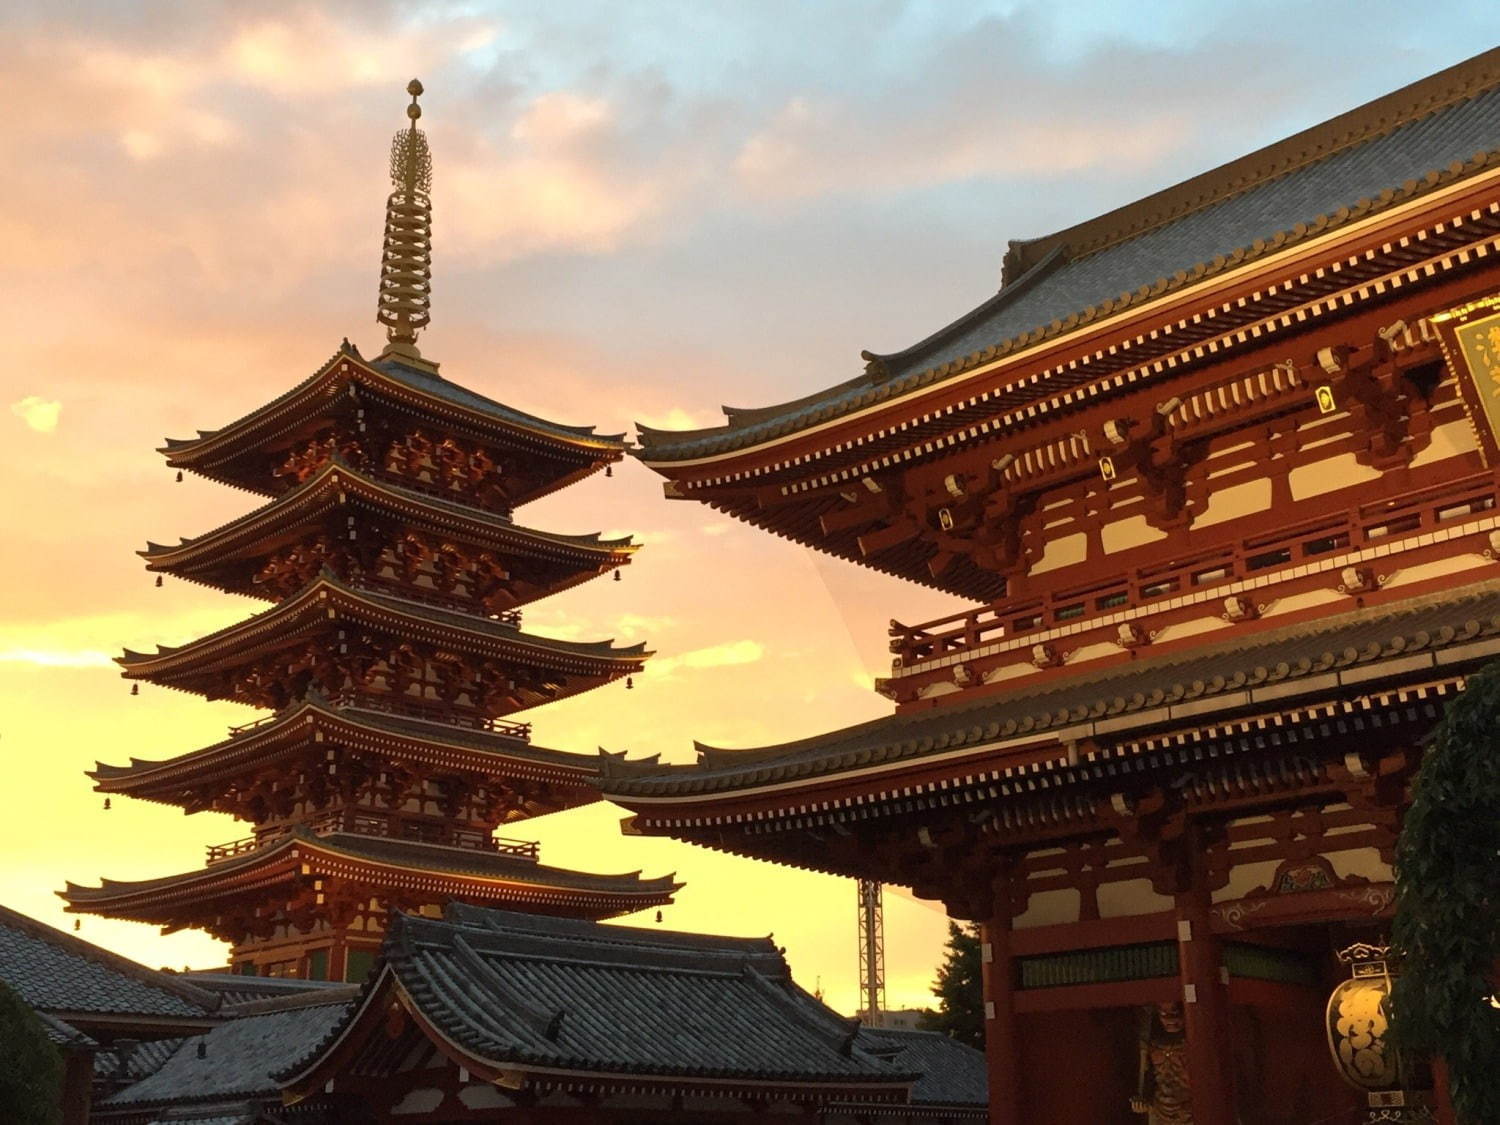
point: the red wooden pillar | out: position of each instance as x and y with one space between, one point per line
1205 1009
1441 1096
1001 1043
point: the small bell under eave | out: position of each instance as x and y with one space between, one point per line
106 804
658 917
629 682
135 689
179 476
617 576
158 581
77 924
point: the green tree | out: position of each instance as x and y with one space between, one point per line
31 1068
960 989
1446 932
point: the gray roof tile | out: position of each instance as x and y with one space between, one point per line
239 1057
952 1073
56 972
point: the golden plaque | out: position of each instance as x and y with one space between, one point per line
1470 338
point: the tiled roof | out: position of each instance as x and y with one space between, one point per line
526 540
439 387
952 1073
1379 155
250 745
133 1060
1451 629
329 585
64 1034
56 972
238 1059
516 990
437 858
424 382
237 988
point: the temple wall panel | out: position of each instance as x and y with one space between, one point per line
1130 532
1246 877
1235 502
1129 897
1331 474
1450 439
1049 908
1066 550
1362 863
1438 568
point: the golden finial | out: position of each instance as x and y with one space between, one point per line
406 264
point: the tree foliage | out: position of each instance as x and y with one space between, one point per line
1446 932
960 989
31 1068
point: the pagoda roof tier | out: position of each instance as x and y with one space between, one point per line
434 871
386 737
218 558
1417 640
1378 157
231 453
325 603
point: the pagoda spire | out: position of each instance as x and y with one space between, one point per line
406 262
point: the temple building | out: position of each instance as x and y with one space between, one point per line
392 664
1214 476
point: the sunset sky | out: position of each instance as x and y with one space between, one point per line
642 211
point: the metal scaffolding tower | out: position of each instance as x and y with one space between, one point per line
871 951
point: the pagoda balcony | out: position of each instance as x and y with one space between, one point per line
455 602
411 710
451 495
1336 539
453 716
364 824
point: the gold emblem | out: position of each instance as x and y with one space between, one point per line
1326 403
1471 333
1107 468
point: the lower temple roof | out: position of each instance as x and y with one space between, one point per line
56 972
235 1062
508 991
1443 633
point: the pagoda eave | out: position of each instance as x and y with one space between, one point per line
391 867
215 454
395 739
325 602
339 485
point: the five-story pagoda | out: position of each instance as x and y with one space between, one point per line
392 657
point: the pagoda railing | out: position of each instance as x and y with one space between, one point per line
455 603
371 824
1411 513
452 495
256 724
391 705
